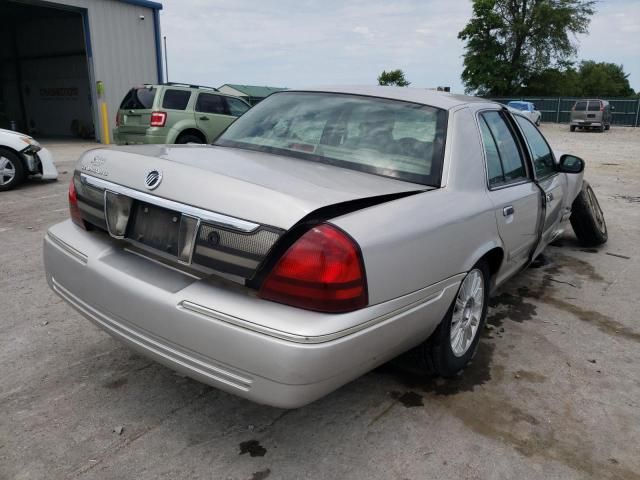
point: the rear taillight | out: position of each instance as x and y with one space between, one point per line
74 210
158 119
321 271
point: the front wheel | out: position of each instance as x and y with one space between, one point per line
587 218
453 344
572 128
11 170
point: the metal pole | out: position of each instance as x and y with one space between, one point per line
166 63
637 112
558 112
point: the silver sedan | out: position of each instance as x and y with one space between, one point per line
326 232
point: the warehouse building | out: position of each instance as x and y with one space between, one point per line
61 60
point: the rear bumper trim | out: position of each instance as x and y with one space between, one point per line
291 337
116 328
74 253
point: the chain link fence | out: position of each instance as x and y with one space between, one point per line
625 111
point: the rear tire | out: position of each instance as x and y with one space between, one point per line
11 170
189 138
607 127
572 128
454 343
587 218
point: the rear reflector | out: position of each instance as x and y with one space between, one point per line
158 119
74 210
322 271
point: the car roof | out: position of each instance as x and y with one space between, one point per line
424 96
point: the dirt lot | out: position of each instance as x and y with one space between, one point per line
554 392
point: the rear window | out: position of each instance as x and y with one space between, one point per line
594 106
385 137
176 99
138 99
580 106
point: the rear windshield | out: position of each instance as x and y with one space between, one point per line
385 137
580 106
176 99
594 106
138 99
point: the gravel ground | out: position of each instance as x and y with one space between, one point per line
554 392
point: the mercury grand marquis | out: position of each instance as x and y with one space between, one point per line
324 233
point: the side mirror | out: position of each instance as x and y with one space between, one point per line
570 164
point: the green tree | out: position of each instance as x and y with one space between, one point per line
604 80
561 82
508 41
393 77
591 79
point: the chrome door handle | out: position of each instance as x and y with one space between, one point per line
506 211
204 118
549 197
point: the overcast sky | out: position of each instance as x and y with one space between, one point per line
293 43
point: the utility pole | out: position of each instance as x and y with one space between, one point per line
166 63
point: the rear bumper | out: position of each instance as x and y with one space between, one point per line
585 123
223 335
149 136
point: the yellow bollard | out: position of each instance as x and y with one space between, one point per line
105 123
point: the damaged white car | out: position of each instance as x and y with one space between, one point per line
20 157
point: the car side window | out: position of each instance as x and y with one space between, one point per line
510 156
209 103
494 166
540 151
176 99
236 107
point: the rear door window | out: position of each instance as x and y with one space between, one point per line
209 103
580 106
510 156
494 165
138 99
236 107
594 106
176 99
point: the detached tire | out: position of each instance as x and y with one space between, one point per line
454 343
11 170
587 218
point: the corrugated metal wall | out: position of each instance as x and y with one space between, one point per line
123 50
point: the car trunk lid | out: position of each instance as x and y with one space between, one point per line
219 207
260 187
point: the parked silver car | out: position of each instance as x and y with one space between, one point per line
324 233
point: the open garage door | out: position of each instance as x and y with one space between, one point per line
45 86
